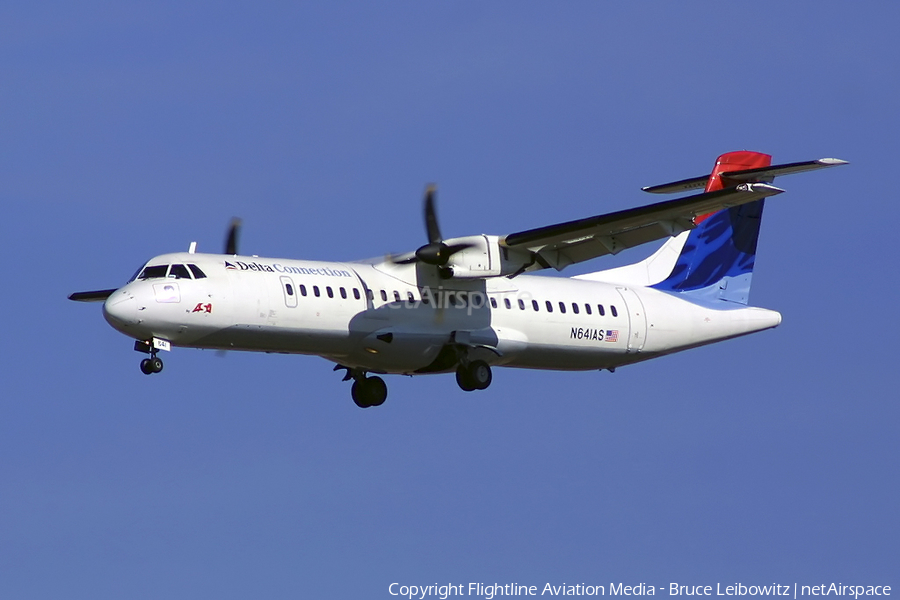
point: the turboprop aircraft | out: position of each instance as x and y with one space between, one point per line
468 304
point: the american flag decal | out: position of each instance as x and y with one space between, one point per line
612 335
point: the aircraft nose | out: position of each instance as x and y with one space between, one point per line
120 310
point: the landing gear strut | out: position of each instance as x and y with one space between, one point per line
151 365
475 375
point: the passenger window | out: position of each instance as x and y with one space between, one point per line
329 291
383 296
343 293
356 293
521 304
424 299
535 305
549 306
562 307
198 274
506 303
612 309
302 290
493 302
396 296
410 298
574 308
600 310
587 308
316 291
179 272
289 289
154 272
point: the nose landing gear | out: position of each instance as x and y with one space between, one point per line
151 365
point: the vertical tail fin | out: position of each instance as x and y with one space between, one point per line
716 262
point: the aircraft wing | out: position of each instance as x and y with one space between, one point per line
567 243
93 296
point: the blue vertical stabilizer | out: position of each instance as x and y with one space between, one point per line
717 260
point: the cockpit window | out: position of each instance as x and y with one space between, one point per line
136 273
198 274
154 272
179 272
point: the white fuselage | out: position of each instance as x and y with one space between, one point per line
402 318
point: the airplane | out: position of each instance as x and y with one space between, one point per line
469 304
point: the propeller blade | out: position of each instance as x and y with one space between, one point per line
435 252
403 261
431 224
231 242
454 248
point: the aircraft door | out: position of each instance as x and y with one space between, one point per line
637 319
290 292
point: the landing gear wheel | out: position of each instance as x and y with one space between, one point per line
474 376
151 365
156 364
371 391
463 380
480 374
377 390
356 392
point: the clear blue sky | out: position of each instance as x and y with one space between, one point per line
129 130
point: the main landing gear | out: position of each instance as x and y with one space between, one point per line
366 391
475 375
369 391
372 391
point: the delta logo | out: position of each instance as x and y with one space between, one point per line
242 266
279 268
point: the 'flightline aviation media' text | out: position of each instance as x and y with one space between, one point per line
489 591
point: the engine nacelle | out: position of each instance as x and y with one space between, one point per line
484 258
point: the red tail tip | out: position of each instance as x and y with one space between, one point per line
735 161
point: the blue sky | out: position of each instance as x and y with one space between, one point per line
131 130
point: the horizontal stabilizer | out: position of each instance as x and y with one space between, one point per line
95 296
675 187
769 173
762 174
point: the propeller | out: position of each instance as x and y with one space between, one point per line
231 247
435 252
231 241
